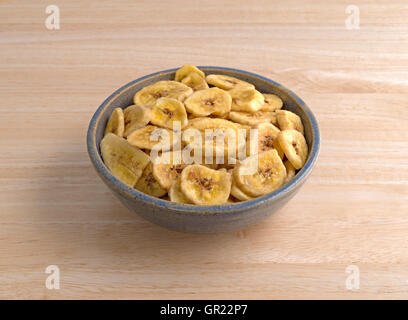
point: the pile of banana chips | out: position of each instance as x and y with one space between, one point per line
204 140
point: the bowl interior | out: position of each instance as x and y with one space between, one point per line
123 98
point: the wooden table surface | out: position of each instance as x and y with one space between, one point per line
55 210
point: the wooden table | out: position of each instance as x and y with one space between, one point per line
54 209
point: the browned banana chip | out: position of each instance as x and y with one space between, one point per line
289 121
294 145
116 123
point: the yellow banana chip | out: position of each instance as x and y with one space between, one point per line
204 186
209 101
195 82
167 111
136 117
116 123
260 174
226 82
246 99
272 102
149 95
294 145
288 120
124 161
147 137
186 70
148 184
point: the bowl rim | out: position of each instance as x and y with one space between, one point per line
189 209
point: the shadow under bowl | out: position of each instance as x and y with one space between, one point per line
192 218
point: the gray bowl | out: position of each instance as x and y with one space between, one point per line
202 219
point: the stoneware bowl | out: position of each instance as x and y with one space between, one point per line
192 218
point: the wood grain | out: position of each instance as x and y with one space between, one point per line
54 210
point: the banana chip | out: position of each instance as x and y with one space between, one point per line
204 186
269 173
149 136
136 117
272 102
289 121
186 70
116 123
176 195
290 170
148 184
195 82
169 169
166 111
223 131
252 119
236 192
209 101
294 145
267 134
124 161
246 99
149 95
226 82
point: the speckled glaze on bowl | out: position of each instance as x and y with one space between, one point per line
202 219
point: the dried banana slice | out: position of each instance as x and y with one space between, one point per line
169 169
116 123
269 173
226 82
204 186
272 102
166 111
289 121
246 99
236 192
290 170
252 119
148 184
195 82
149 136
267 134
175 193
136 117
278 148
149 95
222 130
187 70
294 145
209 101
124 161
